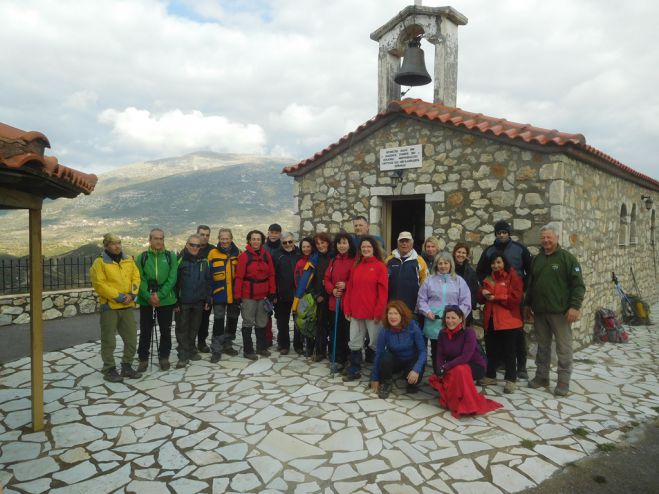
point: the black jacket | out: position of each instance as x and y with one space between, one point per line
284 271
317 285
467 273
517 255
193 284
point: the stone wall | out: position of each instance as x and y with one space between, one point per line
15 309
469 182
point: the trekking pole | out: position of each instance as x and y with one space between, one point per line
154 340
336 326
627 307
638 292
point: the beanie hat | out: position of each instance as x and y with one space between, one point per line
502 226
110 238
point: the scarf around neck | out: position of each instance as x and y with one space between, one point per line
452 332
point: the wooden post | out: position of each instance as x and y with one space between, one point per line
36 319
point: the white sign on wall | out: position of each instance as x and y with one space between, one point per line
399 158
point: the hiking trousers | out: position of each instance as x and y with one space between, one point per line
187 325
113 322
556 326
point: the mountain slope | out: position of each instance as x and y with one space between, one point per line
237 191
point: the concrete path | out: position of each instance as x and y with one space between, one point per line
282 424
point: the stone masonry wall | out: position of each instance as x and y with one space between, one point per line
15 309
469 182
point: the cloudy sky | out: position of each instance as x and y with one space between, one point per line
113 82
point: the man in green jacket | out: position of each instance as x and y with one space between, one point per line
156 297
554 296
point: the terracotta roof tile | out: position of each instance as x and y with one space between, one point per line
477 122
22 148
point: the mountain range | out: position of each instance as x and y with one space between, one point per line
238 191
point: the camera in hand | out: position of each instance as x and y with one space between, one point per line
153 286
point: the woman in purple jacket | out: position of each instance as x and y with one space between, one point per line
459 363
442 288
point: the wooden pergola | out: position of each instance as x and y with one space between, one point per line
27 177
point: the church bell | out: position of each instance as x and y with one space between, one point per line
413 69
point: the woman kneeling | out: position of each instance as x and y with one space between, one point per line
459 362
400 348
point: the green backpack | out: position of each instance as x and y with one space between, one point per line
305 317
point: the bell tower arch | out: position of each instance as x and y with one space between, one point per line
439 26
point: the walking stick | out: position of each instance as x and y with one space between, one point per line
336 326
154 340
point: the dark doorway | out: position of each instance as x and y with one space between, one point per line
407 214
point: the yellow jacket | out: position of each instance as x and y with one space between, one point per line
112 280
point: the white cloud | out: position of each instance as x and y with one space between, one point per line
175 132
293 77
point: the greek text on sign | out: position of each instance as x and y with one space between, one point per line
402 157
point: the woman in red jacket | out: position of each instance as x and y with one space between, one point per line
365 300
336 279
255 281
501 292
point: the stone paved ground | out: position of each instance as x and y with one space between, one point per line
282 424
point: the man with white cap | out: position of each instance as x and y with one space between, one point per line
116 279
407 271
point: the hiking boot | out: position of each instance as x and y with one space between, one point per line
351 377
143 364
509 387
538 382
561 390
230 351
164 363
522 374
204 348
250 356
411 389
487 381
128 372
384 390
369 355
181 364
215 358
317 357
283 351
195 357
111 375
299 351
263 353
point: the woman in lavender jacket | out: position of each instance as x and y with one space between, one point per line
442 288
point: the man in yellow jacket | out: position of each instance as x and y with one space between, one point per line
116 279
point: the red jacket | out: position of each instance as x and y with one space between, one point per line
366 292
255 275
338 270
508 289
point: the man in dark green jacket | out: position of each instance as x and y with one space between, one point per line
156 296
554 296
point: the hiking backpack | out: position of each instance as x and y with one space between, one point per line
305 317
609 328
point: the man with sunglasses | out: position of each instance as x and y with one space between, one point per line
284 260
193 291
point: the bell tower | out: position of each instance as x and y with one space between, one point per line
438 26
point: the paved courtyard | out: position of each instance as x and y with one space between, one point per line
284 424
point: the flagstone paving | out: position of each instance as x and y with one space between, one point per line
284 424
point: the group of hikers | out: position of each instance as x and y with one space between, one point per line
349 302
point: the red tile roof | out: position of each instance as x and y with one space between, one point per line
476 122
21 147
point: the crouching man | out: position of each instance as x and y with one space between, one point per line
116 280
193 292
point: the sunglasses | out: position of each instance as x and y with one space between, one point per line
196 246
287 242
